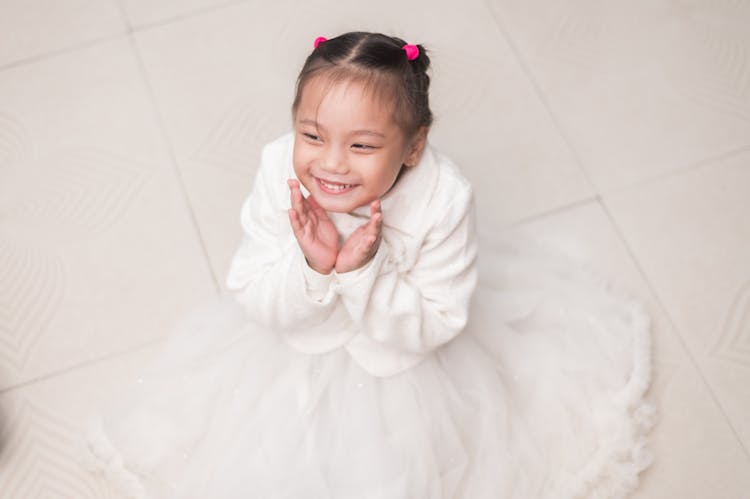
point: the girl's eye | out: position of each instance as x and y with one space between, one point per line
362 146
310 136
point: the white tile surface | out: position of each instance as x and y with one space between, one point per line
221 99
96 242
31 28
640 88
692 235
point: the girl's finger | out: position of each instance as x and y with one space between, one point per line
298 202
293 185
366 246
373 226
315 207
310 211
376 216
302 231
295 223
374 207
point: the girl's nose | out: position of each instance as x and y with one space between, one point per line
334 161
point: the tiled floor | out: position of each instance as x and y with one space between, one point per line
130 131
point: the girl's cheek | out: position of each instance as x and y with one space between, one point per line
304 154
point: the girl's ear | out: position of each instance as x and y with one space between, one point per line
416 147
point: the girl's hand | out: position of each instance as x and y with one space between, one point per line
315 232
363 243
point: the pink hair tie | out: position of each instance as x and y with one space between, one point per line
319 40
412 51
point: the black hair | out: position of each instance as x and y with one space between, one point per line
381 64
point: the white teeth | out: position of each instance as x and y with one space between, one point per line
335 187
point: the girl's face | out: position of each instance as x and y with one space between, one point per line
348 150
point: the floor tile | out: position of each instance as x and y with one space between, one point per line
96 240
640 88
219 109
691 234
30 28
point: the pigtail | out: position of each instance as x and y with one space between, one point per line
422 62
420 86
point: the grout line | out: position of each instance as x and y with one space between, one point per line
124 15
63 51
185 15
129 29
706 162
80 365
553 211
173 158
541 96
679 336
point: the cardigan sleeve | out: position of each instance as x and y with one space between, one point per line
270 276
415 311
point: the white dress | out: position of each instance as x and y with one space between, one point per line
528 385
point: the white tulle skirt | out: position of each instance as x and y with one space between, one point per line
540 397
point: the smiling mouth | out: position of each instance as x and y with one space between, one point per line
334 187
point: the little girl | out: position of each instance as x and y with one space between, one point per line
354 359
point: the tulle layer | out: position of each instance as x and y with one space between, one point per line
540 397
